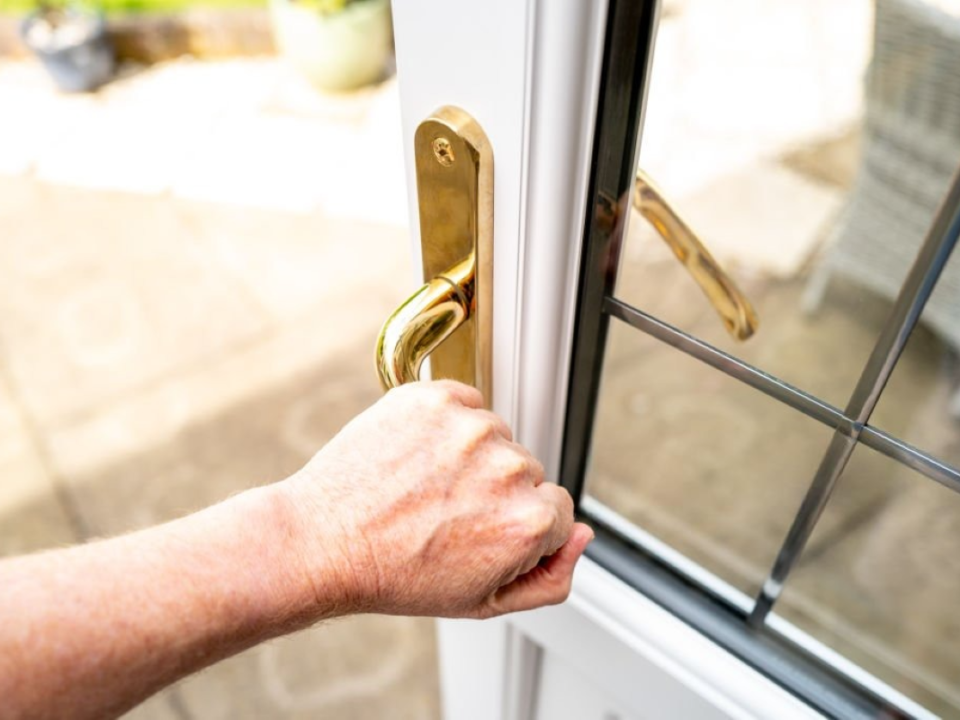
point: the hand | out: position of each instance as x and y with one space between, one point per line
424 505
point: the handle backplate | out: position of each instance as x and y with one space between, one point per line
451 317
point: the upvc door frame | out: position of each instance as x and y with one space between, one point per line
529 72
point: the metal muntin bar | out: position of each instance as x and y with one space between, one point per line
728 364
878 440
916 290
914 293
834 461
912 457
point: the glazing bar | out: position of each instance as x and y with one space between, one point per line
727 364
916 290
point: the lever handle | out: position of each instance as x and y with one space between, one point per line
733 307
426 319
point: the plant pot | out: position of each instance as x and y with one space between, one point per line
338 51
76 52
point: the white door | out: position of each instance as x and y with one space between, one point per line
728 578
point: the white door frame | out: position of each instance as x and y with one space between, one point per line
528 71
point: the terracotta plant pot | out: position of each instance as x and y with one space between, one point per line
337 51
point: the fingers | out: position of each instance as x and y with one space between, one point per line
547 584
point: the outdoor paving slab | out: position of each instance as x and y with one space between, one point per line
359 668
32 516
101 293
167 453
163 706
296 264
288 357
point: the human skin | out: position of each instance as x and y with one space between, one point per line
422 505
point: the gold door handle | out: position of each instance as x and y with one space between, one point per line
731 304
425 320
450 317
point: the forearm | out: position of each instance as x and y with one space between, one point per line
93 630
423 505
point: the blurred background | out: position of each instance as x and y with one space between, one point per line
195 259
203 224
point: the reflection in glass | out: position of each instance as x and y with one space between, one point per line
881 585
810 178
703 462
921 403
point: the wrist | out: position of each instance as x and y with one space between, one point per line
321 555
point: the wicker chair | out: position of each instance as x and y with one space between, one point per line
911 149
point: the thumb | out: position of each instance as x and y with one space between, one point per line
546 584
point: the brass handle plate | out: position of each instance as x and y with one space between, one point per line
450 318
735 310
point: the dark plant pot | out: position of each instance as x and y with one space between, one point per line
81 63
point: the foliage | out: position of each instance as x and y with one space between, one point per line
19 7
326 7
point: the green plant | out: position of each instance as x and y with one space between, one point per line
115 7
327 7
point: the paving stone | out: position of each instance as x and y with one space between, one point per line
100 297
163 706
295 264
360 668
32 516
258 440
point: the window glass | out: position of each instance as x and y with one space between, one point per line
809 156
881 585
921 403
703 462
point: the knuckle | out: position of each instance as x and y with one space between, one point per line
535 468
566 501
480 429
537 519
471 392
515 467
435 397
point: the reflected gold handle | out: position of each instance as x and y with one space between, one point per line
425 320
731 304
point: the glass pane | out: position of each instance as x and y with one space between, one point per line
921 403
881 585
809 180
703 462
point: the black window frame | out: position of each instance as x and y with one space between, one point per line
625 72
